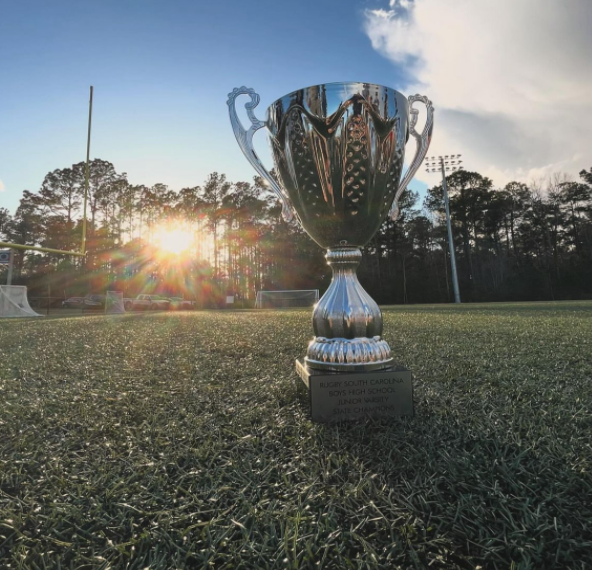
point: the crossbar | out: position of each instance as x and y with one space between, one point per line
38 248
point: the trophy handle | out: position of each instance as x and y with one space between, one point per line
245 141
423 143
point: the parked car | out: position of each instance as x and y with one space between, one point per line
45 302
73 303
94 303
180 304
150 303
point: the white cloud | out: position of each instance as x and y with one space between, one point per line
511 81
1 186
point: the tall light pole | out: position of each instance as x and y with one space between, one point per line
447 163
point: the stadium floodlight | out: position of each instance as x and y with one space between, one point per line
286 298
444 167
82 251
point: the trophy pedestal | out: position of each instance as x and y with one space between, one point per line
339 396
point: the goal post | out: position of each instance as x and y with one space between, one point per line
25 247
286 298
82 251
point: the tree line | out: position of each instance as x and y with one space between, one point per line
520 242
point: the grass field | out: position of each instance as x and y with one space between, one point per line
177 440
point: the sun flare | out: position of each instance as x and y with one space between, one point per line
173 240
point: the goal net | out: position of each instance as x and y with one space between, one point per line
293 298
14 302
114 303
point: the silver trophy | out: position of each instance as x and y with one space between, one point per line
338 151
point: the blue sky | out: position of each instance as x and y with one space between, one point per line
512 89
161 72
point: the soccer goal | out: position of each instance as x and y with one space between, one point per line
288 298
14 302
114 303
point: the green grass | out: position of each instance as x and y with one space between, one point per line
178 441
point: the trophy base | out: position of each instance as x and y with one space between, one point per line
339 396
358 354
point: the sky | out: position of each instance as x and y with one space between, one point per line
511 81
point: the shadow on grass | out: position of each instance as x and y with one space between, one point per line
487 474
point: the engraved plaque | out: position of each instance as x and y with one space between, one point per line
336 396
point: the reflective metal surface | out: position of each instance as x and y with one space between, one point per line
338 150
347 321
422 142
245 141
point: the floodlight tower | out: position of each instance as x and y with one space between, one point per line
447 163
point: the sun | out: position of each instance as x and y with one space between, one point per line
171 240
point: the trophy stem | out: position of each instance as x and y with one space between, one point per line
347 322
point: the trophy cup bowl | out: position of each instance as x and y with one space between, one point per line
338 151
